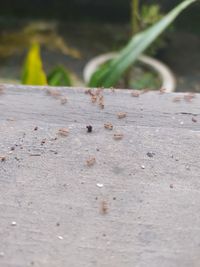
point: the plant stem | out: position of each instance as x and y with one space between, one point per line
135 16
135 29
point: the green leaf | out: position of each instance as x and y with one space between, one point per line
110 74
33 73
59 76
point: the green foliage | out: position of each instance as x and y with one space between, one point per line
143 18
150 14
111 73
59 76
33 73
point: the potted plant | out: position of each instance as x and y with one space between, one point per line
110 69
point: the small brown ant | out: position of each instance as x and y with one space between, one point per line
91 161
112 89
108 126
63 100
162 91
144 91
53 93
98 91
88 91
177 99
121 115
63 131
189 97
101 102
118 136
104 207
135 93
2 158
1 89
93 98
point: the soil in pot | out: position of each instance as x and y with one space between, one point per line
139 77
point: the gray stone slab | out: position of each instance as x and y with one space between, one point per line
138 205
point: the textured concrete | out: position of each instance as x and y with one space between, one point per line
137 205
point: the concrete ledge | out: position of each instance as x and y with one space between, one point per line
73 198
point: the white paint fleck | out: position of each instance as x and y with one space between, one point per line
60 237
143 167
99 185
13 223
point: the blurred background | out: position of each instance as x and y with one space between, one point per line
71 32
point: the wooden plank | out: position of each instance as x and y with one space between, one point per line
137 205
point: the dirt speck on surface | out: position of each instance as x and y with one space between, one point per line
89 128
35 155
194 120
150 154
43 141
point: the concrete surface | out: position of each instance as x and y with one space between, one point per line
137 205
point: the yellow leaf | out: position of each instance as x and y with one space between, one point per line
33 73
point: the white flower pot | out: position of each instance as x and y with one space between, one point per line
165 74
